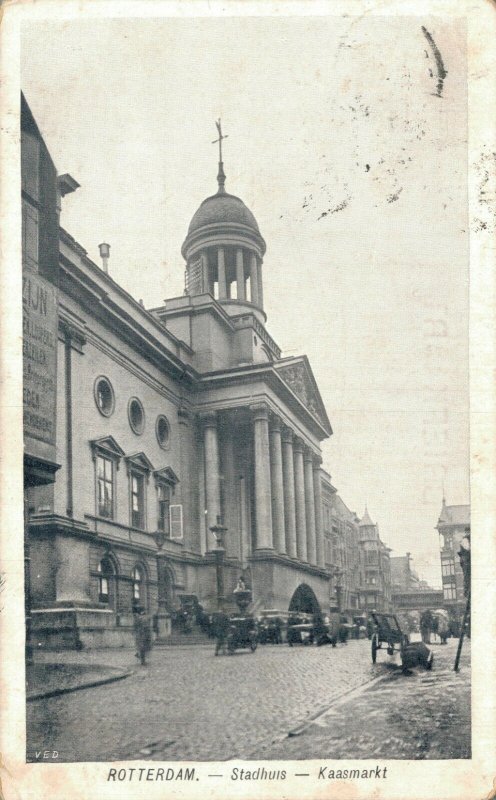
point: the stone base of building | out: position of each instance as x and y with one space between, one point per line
79 629
278 580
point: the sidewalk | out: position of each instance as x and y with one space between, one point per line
425 715
50 677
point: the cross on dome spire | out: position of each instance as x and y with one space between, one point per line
221 178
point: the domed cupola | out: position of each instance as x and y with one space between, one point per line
224 249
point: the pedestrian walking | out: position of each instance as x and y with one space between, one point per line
142 633
426 626
221 630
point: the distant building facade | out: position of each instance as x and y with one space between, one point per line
409 593
356 558
453 525
376 590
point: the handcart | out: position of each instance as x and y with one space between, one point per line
387 630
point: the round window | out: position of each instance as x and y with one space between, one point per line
104 396
163 431
136 415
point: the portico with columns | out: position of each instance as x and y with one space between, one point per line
262 479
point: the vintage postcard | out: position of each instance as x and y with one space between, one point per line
248 462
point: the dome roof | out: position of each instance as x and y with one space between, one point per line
222 208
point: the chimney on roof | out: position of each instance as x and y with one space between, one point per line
104 255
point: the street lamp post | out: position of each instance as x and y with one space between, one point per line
219 531
464 555
163 617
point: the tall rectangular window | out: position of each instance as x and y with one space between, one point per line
449 592
163 498
137 501
105 486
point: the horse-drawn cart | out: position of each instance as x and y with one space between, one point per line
387 630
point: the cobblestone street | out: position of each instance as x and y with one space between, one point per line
187 704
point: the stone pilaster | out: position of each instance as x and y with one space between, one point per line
310 506
301 519
240 274
221 274
206 272
263 510
259 283
319 522
254 279
289 491
276 474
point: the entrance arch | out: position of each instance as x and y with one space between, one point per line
304 600
165 585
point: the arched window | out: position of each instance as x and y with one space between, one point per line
106 574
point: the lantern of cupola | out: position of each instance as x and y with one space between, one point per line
224 250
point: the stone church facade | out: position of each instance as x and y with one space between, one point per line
170 421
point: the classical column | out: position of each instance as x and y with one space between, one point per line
319 523
310 506
206 272
221 274
276 476
301 519
259 283
254 279
263 509
240 274
212 482
289 491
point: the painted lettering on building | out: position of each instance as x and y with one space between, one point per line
39 349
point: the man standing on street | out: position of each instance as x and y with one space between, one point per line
221 628
142 633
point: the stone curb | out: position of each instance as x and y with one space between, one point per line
347 694
85 685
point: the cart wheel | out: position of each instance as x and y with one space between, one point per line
374 649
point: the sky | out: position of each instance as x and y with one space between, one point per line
350 149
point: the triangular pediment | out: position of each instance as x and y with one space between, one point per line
108 446
297 374
166 474
140 461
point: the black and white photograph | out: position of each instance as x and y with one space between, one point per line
247 401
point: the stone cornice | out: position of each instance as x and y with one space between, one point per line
88 280
279 558
246 374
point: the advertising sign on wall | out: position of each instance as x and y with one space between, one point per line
39 300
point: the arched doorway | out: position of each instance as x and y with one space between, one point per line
304 600
165 585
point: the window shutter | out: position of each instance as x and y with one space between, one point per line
176 521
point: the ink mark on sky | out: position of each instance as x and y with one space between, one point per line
441 72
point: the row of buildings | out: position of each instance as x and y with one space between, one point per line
146 429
